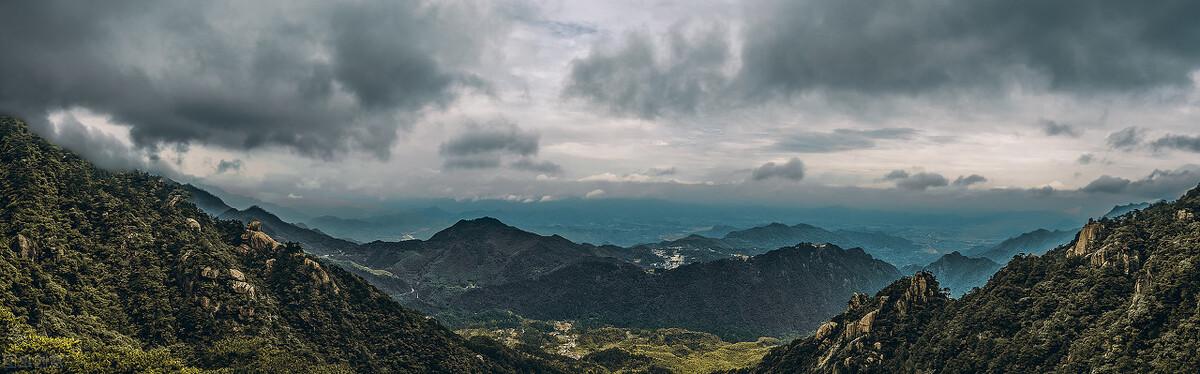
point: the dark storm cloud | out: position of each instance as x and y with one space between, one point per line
906 47
964 181
917 45
1052 128
632 80
486 145
1159 184
1177 142
841 139
545 167
1126 139
791 170
494 137
318 79
229 165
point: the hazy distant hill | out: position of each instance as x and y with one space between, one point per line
1034 242
961 273
1120 210
1121 297
757 240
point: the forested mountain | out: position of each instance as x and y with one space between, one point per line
118 272
785 292
1121 297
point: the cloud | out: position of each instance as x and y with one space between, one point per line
229 165
842 139
1052 128
1159 184
922 180
485 145
544 167
594 194
102 149
660 172
1085 159
494 137
1177 142
917 46
632 80
896 175
319 79
470 163
877 49
793 169
962 181
1126 139
1106 184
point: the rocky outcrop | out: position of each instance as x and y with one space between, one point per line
319 276
1184 215
24 247
193 224
254 240
854 341
1085 241
1104 247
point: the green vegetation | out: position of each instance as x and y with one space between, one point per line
620 349
1124 296
117 272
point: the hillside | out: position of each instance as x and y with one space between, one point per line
471 254
1121 297
118 272
788 291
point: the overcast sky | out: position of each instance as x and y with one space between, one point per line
987 104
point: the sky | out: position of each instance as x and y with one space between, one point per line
901 104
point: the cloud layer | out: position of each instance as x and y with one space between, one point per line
314 78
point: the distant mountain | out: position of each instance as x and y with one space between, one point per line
1120 297
674 253
1034 242
206 201
117 272
785 292
961 273
761 239
416 223
471 254
1120 210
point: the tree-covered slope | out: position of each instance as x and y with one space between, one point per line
786 292
117 271
1124 296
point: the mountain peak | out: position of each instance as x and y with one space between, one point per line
478 228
